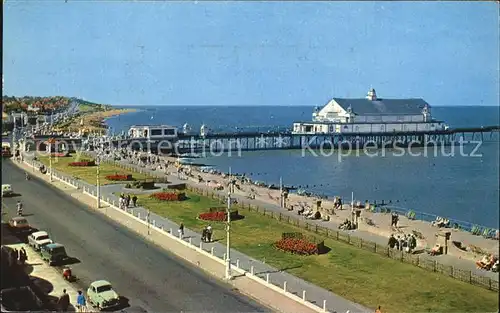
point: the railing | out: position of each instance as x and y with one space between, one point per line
246 268
431 265
414 259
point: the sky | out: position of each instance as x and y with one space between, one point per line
251 53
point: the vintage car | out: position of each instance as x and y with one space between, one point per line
19 225
53 253
38 239
7 190
101 295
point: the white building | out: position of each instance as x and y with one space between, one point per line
152 132
370 115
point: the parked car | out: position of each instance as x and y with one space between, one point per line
101 295
7 190
19 224
54 253
39 239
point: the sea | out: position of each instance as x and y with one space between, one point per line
459 182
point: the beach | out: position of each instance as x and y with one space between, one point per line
378 224
92 122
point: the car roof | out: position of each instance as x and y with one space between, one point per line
54 245
6 185
39 233
100 283
18 218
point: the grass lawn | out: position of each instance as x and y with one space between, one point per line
89 173
358 275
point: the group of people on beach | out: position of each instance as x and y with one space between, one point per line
406 243
490 262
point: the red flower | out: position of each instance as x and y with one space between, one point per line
213 216
118 177
297 246
82 163
169 196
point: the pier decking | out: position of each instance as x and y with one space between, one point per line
252 141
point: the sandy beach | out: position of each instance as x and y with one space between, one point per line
375 223
93 122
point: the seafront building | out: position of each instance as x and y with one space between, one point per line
370 115
152 132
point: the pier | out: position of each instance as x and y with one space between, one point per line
255 141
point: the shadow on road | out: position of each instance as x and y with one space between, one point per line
9 238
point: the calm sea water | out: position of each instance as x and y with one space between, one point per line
456 185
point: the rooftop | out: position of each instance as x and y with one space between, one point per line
39 233
153 126
100 283
19 219
363 106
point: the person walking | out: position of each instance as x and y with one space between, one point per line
63 301
81 302
134 200
23 256
127 201
181 230
209 233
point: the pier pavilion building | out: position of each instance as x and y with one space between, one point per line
152 132
371 115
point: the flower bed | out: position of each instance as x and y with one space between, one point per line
169 196
213 216
296 243
119 177
218 215
83 163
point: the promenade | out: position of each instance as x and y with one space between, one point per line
278 277
375 234
47 279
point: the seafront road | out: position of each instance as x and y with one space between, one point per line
147 275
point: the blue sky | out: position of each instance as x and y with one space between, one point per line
252 53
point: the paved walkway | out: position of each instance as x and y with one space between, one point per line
47 278
314 294
451 260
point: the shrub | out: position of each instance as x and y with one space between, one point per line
297 246
83 163
119 177
128 185
169 196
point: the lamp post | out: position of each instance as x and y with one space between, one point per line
147 220
50 141
281 192
231 186
98 182
228 239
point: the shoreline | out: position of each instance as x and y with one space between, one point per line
393 206
375 223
